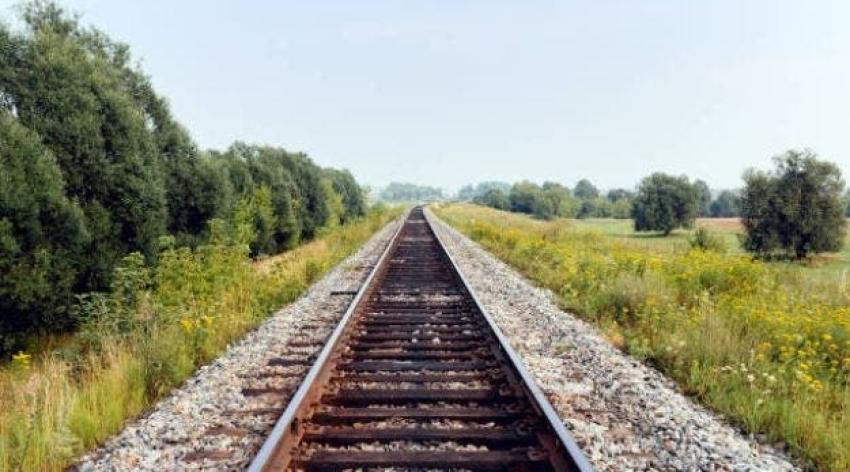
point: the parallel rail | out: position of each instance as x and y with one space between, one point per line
418 376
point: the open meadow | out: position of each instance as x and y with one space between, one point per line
765 344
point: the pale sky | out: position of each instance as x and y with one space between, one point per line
450 92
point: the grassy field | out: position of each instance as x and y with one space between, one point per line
148 335
765 344
729 229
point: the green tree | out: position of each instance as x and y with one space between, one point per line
405 192
353 198
618 194
42 235
69 85
703 198
726 205
794 210
564 204
528 197
664 203
585 190
494 198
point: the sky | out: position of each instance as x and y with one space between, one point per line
451 92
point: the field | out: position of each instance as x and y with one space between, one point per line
729 229
765 344
148 335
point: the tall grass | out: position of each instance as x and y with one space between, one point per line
147 336
765 344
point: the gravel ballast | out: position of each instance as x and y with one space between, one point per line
623 414
219 418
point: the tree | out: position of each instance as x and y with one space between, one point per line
703 198
562 202
494 198
847 203
618 194
664 203
726 205
42 236
585 190
70 86
353 199
528 197
794 210
470 192
405 192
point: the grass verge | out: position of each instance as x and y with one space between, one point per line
147 336
767 345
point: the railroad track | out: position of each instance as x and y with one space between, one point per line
417 376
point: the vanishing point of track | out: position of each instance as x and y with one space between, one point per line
417 376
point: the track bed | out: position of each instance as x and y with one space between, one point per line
416 376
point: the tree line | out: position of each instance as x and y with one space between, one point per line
407 192
93 166
796 209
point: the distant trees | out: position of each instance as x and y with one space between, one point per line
494 198
664 203
703 198
406 192
794 210
553 199
585 190
471 192
726 205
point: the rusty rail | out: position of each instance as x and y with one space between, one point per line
417 375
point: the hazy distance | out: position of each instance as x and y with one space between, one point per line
448 93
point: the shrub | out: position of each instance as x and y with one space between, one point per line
664 203
707 240
796 209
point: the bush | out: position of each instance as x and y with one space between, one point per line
794 210
42 236
494 198
664 203
707 241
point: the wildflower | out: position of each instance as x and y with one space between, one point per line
187 324
22 359
751 378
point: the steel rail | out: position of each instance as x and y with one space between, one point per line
285 421
557 439
566 439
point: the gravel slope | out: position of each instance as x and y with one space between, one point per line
219 418
624 414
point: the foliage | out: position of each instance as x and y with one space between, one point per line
726 205
707 241
70 86
618 194
353 200
794 210
470 192
664 203
703 198
148 334
585 190
113 173
405 192
494 198
764 344
42 234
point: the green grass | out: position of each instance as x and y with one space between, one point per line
145 338
765 344
823 266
